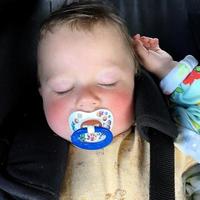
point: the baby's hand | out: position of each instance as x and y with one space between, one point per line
151 56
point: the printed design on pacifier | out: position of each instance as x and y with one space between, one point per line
92 136
91 130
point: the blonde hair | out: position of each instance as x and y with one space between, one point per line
84 15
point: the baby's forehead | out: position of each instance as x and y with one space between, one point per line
110 32
105 33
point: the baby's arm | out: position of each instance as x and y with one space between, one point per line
185 96
185 103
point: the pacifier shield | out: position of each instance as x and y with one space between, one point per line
92 138
91 130
100 117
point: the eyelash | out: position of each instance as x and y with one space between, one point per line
109 85
63 92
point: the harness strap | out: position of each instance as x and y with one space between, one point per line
161 167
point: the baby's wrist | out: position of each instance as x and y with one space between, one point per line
164 70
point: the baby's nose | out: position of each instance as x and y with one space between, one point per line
87 101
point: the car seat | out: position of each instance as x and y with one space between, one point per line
29 151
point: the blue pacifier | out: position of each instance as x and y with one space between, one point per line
91 131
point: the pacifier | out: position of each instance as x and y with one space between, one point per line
91 131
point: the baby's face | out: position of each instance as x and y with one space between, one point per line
85 71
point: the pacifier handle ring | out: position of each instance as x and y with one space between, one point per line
92 145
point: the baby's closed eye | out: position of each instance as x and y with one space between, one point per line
61 86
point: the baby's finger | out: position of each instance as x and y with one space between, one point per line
146 41
154 43
136 37
139 49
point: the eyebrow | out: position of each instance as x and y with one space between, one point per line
57 79
111 70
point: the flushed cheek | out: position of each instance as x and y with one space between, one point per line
121 105
56 115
